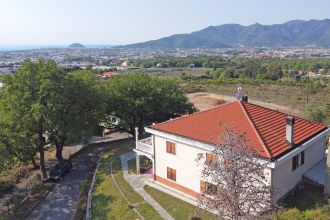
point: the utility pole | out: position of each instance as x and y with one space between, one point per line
307 87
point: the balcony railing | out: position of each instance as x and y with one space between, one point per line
145 145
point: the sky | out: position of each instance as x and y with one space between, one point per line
118 22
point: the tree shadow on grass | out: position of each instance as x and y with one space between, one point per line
307 198
116 165
100 207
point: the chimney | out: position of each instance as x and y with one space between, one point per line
289 129
245 98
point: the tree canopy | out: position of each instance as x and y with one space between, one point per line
234 181
40 101
138 99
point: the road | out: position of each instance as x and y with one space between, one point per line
61 202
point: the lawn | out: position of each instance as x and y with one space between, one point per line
108 203
176 207
309 203
132 165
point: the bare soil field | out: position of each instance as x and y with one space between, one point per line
205 100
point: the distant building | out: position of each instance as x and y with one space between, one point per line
124 64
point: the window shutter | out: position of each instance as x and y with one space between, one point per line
294 163
172 148
219 190
302 158
203 186
209 158
168 173
171 174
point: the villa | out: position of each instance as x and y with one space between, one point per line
294 147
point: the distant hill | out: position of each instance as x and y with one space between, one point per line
292 33
76 45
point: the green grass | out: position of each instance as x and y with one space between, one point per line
177 208
132 166
307 204
108 203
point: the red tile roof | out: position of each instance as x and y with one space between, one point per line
264 128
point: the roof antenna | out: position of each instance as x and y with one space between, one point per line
238 94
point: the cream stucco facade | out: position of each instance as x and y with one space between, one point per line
279 172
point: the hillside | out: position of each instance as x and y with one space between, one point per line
76 45
290 34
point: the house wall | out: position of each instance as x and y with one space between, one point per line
188 170
184 162
284 179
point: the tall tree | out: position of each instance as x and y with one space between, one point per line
77 112
274 71
29 98
235 183
139 99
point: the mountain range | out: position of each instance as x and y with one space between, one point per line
295 33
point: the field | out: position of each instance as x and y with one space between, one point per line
288 96
108 202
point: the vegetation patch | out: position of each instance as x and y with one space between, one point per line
176 207
132 166
83 196
12 175
108 203
19 208
144 165
309 203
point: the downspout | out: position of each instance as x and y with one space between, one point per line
137 155
154 148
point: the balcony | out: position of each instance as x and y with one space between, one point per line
144 146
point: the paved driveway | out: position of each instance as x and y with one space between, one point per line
61 202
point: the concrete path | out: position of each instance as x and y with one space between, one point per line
61 202
172 192
138 182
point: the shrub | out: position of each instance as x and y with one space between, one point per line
35 184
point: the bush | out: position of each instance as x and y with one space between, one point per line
35 184
315 114
289 214
191 88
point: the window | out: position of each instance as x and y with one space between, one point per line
298 160
229 164
170 147
210 158
171 174
208 188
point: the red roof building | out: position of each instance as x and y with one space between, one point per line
265 128
291 148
